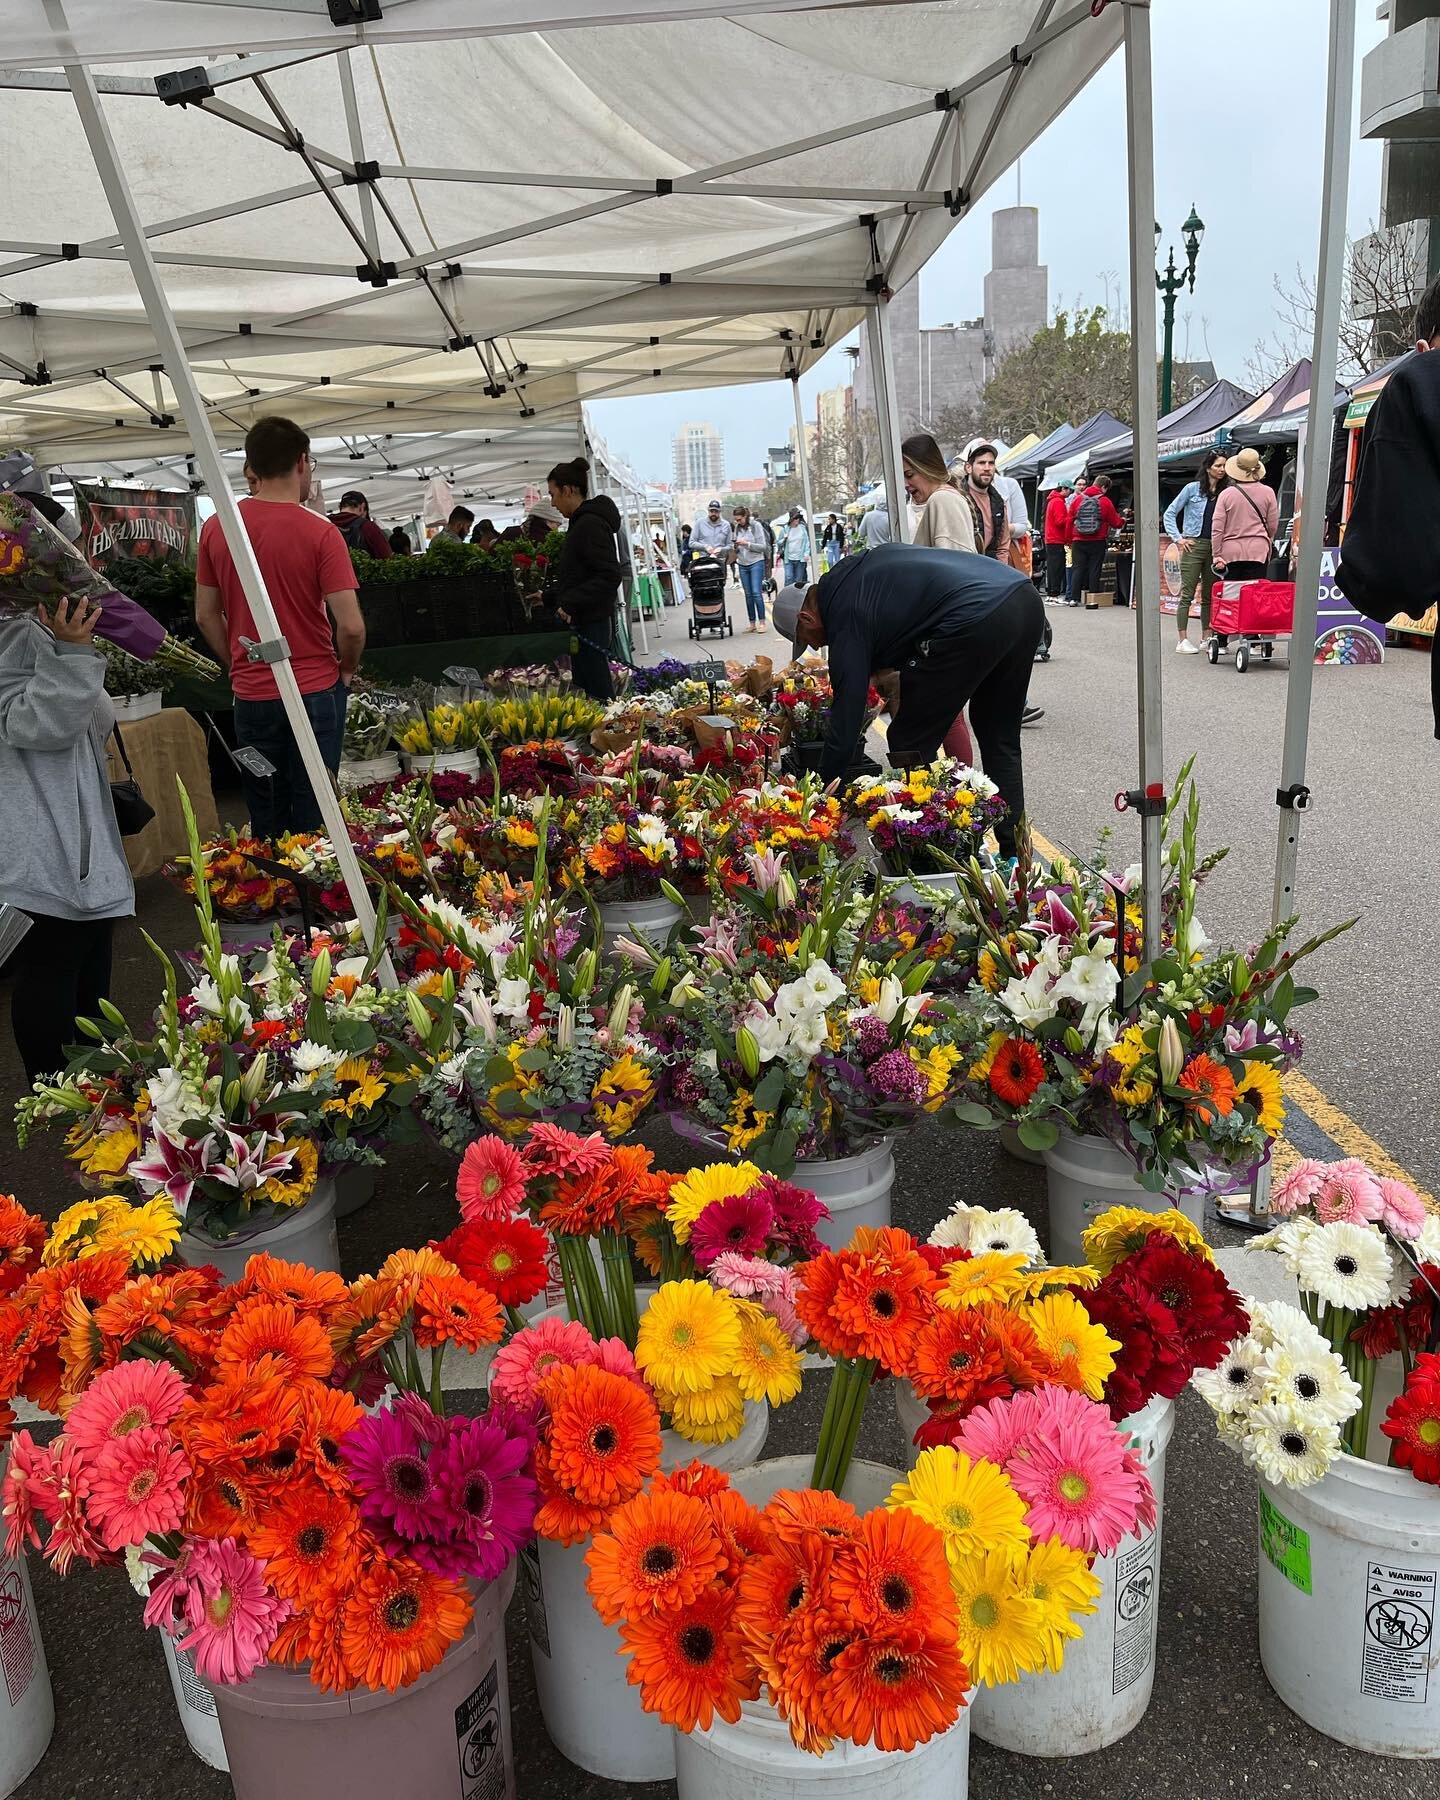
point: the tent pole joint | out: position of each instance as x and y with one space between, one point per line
1148 802
266 650
1295 798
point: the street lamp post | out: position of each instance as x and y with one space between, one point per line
1170 284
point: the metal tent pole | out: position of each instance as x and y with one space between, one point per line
207 453
1145 581
1329 282
627 501
882 366
802 457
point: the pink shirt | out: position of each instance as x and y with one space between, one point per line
1247 516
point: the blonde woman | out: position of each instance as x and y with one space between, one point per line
947 519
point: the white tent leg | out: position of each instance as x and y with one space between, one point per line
802 458
207 453
882 366
626 498
1145 581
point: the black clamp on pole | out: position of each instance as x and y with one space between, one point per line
1295 798
1148 802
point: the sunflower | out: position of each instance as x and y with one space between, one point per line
659 1551
767 1364
604 1436
938 1066
621 1094
1002 1626
309 1543
990 971
1130 1050
1260 1089
714 1416
398 1621
1137 1093
700 1188
748 1123
1123 1230
990 1276
1212 1084
1016 1070
365 1088
1075 1351
689 1662
1059 1578
689 1336
970 1503
297 1185
297 1345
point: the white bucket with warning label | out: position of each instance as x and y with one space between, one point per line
1349 1574
27 1707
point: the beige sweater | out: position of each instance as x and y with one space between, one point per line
946 522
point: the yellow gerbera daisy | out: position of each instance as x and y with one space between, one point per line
1002 1627
1123 1230
74 1234
700 1188
714 1417
991 1276
1259 1087
1032 1283
971 1504
147 1232
767 1365
1059 1578
109 1153
689 1337
1078 1353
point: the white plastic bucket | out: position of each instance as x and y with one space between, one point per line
445 762
27 1706
855 1188
1085 1177
755 1759
354 1185
591 1712
624 918
240 936
306 1235
199 1715
1350 1606
1011 1145
445 1737
1104 1686
942 889
365 771
130 707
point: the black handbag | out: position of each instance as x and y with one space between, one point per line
133 812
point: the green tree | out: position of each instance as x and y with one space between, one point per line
1075 366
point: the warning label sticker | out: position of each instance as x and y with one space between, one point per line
529 1561
479 1741
1286 1545
1136 1574
1399 1632
17 1639
197 1696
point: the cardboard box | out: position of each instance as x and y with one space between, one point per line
1094 601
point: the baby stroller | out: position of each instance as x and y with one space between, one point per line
707 598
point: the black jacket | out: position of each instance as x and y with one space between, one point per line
1390 558
589 572
876 608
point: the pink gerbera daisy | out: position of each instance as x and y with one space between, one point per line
740 1222
749 1277
517 1368
615 1357
1404 1211
136 1487
1348 1194
1297 1187
551 1150
25 1478
783 1310
133 1396
1075 1476
996 1431
218 1590
491 1182
61 1493
488 1499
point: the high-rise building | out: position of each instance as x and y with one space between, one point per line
948 365
699 458
1399 100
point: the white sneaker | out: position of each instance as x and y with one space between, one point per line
1186 648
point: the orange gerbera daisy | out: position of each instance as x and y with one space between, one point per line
657 1552
326 1414
689 1663
956 1356
240 1419
740 1529
606 1198
691 1478
364 1323
1016 1071
22 1236
896 1579
219 1504
403 1271
774 1588
313 1291
818 1636
560 1518
795 1514
867 1299
1215 1085
898 1691
451 1310
275 1329
309 1543
1017 1343
604 1435
398 1621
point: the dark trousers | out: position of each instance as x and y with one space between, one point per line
1054 570
1238 571
62 973
1087 559
590 661
285 801
987 666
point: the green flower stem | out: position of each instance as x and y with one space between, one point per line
863 1374
437 1398
515 1319
620 1281
572 1297
827 1425
1367 1399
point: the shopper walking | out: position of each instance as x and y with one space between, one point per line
1092 518
1189 521
311 581
957 628
947 519
64 864
795 548
875 526
751 550
1057 542
352 520
588 574
832 541
992 519
1246 518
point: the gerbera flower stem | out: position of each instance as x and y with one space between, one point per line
844 1409
620 1282
437 1397
515 1319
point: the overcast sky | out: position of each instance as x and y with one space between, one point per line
1239 124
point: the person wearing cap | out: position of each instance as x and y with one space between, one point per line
485 535
795 547
712 535
958 629
1247 516
1057 537
992 518
352 520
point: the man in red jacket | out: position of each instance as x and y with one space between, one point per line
1057 536
1092 518
358 529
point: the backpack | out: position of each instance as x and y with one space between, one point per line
352 530
1087 516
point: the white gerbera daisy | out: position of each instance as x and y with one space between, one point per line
1287 1239
1311 1378
983 1228
1345 1265
1275 1322
1288 1445
1233 1386
1426 1243
953 1231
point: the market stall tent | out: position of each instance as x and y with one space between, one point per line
1184 431
1100 428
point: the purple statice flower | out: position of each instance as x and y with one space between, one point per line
685 1087
895 1077
872 1037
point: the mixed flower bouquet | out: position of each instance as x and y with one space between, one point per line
239 890
796 818
371 716
930 820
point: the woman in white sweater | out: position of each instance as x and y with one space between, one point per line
947 521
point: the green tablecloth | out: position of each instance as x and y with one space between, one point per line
404 663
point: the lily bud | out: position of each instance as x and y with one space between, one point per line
320 975
252 1082
420 1019
673 894
1171 1053
620 1011
786 892
1239 977
761 988
660 980
748 1051
1074 1043
564 1027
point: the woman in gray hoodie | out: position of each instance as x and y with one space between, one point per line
63 863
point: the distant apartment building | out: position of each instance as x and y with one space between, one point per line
1400 105
698 453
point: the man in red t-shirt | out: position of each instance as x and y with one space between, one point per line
310 579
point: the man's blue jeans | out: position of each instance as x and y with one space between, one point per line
752 579
285 800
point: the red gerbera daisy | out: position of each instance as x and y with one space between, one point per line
506 1257
1413 1421
1018 1069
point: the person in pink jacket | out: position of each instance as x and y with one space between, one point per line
1247 516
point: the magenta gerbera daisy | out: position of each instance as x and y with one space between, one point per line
517 1367
797 1213
551 1150
491 1181
740 1222
218 1590
133 1396
487 1498
136 1488
995 1431
1075 1474
390 1459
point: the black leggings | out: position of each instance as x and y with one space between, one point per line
988 666
62 972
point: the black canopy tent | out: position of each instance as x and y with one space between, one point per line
1186 430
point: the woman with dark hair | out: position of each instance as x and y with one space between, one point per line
588 574
1188 520
947 519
